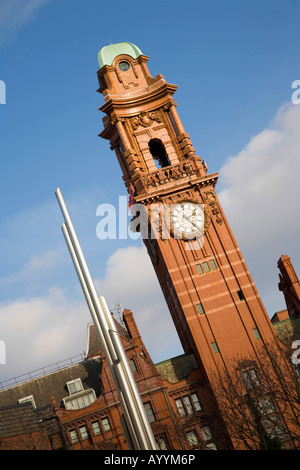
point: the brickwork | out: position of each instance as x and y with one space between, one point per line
289 284
106 409
97 426
212 298
215 306
24 428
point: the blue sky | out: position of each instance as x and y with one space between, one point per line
234 63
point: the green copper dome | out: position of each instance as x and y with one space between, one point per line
107 54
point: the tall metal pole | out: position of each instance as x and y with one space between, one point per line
136 427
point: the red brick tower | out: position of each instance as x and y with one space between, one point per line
289 284
212 298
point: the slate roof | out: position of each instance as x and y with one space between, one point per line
43 388
177 368
21 419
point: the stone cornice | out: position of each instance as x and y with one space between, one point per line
186 183
130 104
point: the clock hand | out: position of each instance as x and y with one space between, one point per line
189 220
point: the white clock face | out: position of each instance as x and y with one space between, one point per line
187 219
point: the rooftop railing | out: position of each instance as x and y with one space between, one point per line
42 371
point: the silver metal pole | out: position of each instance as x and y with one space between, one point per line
134 412
141 419
129 425
126 433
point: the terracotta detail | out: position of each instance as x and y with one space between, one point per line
211 200
225 320
145 119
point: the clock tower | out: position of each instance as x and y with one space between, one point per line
212 298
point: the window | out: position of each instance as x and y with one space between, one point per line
215 347
199 268
265 406
96 428
158 152
192 438
271 418
74 437
180 407
211 446
74 386
275 427
80 400
28 399
206 267
161 444
250 378
105 424
187 405
241 295
124 66
133 365
200 309
212 264
256 333
149 412
196 402
205 431
83 433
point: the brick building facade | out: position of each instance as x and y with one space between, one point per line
212 298
77 407
214 303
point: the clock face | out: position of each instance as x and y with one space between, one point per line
187 219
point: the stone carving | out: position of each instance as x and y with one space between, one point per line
211 200
164 175
145 119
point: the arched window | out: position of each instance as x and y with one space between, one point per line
133 365
158 152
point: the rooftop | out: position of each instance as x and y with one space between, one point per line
107 54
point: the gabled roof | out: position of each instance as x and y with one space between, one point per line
93 343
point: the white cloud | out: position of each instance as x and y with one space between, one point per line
260 194
41 330
43 314
36 267
130 280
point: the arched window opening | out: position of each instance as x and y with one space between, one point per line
133 365
158 152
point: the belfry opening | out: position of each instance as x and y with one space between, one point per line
158 152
